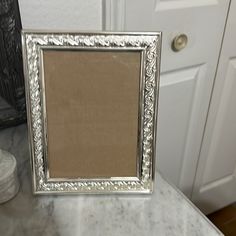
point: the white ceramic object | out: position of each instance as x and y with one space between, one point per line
9 184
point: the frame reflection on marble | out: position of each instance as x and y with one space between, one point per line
79 142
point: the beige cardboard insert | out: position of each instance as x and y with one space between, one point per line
92 100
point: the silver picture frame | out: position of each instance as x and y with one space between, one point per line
149 46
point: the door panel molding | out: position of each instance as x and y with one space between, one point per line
114 15
181 4
176 113
178 76
216 195
215 182
216 173
224 136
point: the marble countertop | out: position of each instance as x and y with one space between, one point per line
165 212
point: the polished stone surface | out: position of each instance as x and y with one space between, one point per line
166 212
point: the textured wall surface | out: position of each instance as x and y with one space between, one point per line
61 14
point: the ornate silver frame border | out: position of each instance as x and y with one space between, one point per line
150 46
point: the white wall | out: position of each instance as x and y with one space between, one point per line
61 14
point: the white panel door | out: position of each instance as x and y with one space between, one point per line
186 76
215 185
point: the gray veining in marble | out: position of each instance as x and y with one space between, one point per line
166 212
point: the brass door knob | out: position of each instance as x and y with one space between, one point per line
179 42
